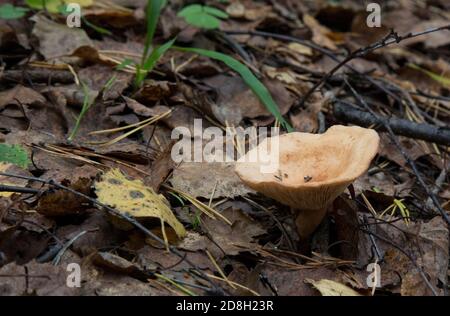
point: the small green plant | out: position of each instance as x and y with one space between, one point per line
202 16
149 60
398 205
55 6
87 102
14 154
10 12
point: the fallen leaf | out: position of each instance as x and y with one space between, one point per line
100 234
63 202
20 95
332 288
199 179
232 238
320 32
42 280
58 40
426 242
132 197
236 101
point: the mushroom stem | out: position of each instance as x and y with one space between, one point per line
307 221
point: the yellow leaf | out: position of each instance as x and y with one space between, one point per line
133 198
332 288
82 3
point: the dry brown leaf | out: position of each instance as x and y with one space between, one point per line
232 239
58 40
199 179
62 202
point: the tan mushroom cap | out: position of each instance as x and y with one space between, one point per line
313 168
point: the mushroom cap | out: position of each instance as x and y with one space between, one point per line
313 169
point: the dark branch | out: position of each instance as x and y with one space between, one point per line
348 113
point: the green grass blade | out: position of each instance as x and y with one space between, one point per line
86 105
249 78
152 60
441 79
154 8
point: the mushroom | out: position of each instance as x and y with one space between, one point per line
313 169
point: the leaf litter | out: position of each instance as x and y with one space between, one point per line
92 109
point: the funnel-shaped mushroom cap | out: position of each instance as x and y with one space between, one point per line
313 169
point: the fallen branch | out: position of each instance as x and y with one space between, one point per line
408 159
348 113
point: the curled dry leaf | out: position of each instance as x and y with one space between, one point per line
62 202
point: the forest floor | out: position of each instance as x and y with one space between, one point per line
88 179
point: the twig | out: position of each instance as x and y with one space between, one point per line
66 246
283 38
9 188
408 159
234 45
421 272
391 38
348 113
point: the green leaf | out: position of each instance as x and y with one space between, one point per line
203 20
202 16
10 12
153 12
249 78
14 154
190 9
56 6
216 12
52 6
152 60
